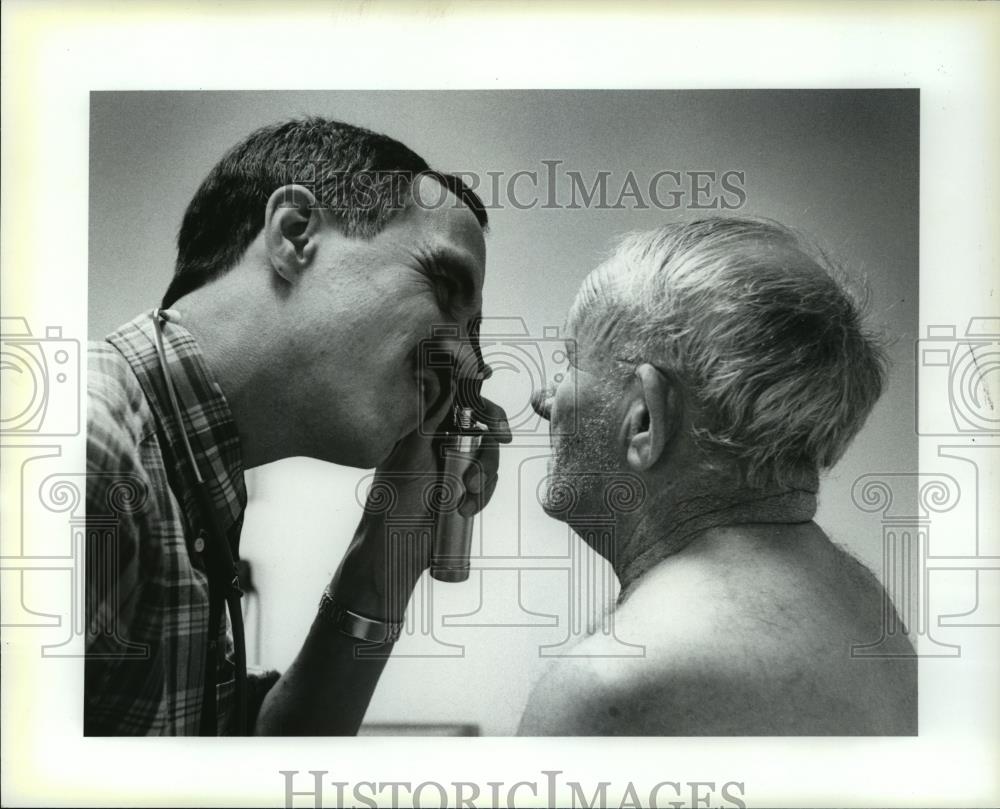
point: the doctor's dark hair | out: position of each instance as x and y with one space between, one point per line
363 177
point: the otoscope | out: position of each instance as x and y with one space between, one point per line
453 531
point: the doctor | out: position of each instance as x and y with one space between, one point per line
311 262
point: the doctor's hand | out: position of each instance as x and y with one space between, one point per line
414 467
392 545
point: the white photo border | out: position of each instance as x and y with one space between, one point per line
56 53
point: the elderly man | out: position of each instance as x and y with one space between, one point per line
717 369
312 263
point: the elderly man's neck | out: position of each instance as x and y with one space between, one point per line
680 513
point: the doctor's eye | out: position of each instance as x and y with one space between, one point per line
450 295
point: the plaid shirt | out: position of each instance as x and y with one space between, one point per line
147 590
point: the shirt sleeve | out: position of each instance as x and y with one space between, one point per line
116 516
118 502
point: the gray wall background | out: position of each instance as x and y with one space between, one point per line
841 166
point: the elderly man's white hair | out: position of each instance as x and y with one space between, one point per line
770 347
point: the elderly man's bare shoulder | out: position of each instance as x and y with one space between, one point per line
742 639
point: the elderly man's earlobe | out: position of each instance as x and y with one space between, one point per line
291 220
653 418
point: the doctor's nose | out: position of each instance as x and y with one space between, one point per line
541 401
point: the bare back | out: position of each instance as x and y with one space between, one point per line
749 631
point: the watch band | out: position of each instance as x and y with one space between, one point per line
357 625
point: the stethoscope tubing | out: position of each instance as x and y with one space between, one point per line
219 556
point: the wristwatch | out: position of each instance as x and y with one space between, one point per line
356 625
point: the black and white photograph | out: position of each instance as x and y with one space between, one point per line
608 355
640 434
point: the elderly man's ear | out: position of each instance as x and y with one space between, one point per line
652 418
291 222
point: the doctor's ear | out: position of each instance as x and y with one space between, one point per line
291 221
653 417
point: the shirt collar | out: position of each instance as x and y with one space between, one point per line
208 421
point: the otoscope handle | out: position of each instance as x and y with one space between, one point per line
452 531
